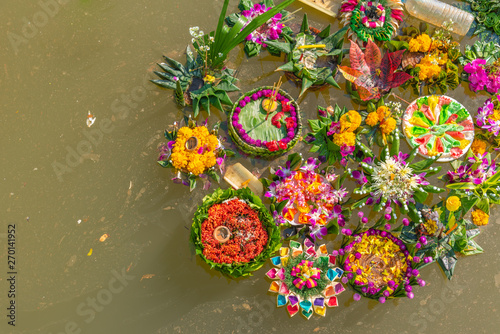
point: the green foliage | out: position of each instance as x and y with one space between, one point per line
487 15
235 270
227 38
313 66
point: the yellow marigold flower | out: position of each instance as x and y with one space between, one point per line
348 138
184 132
212 142
453 203
372 119
350 121
196 166
383 112
388 126
414 45
179 160
429 67
479 217
210 159
478 147
425 42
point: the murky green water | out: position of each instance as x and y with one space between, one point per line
64 185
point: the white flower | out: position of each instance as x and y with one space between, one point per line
211 38
220 54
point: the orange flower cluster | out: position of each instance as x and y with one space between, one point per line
248 237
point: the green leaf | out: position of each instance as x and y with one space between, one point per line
420 196
484 205
462 185
304 27
280 46
165 164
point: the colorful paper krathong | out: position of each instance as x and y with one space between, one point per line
305 279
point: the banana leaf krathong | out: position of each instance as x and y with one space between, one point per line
312 58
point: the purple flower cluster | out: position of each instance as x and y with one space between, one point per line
270 30
476 170
480 76
488 116
254 97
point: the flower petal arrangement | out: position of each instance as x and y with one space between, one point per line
373 76
305 279
271 30
251 235
312 58
305 199
393 182
257 132
193 152
378 265
336 135
371 20
438 125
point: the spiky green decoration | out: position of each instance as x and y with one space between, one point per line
315 66
192 88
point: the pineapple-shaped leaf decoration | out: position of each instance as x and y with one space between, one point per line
312 57
193 87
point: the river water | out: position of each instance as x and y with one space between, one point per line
64 185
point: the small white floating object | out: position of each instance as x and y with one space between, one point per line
90 119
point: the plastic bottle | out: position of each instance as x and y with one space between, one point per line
436 12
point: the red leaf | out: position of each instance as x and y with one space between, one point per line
395 58
366 94
350 74
357 58
399 78
373 56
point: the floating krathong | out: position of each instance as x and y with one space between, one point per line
258 130
438 125
305 279
249 237
193 152
378 265
371 20
305 199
